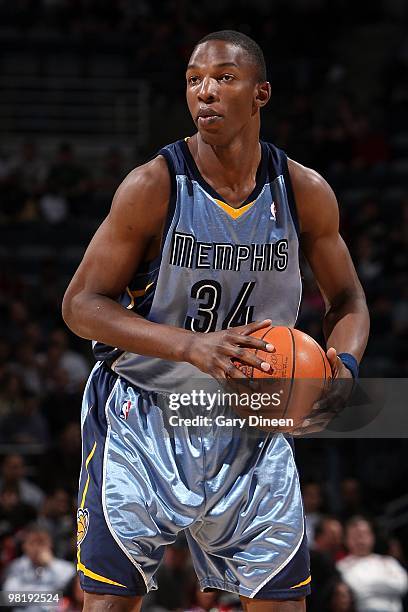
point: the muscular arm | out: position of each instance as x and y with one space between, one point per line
134 223
133 226
346 321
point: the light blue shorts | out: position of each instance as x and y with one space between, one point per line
142 482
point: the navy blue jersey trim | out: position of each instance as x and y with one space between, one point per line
289 191
261 174
173 197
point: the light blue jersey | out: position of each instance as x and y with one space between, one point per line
220 266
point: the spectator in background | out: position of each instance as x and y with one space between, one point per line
14 513
33 335
63 460
12 479
326 550
338 597
352 499
312 502
60 355
328 538
25 365
72 362
52 289
37 569
11 393
30 169
369 266
112 173
68 179
28 426
68 403
53 207
377 581
57 517
17 319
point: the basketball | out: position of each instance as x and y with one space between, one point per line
300 373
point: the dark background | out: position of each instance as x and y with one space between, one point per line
90 89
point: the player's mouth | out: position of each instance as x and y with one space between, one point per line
207 116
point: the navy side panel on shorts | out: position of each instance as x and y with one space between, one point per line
103 567
287 583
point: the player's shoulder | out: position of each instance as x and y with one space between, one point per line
151 178
316 202
142 197
306 179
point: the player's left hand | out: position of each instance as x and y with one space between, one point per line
333 401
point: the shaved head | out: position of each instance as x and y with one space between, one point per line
251 48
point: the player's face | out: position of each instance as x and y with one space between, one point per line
223 94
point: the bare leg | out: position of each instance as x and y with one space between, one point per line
111 603
263 605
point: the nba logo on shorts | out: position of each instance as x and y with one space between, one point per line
124 413
273 211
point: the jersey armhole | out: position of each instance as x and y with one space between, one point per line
173 196
290 193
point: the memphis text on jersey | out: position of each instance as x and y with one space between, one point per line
187 252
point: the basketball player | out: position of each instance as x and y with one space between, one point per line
200 248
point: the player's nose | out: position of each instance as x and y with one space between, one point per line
208 91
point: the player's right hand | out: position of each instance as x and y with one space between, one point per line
214 352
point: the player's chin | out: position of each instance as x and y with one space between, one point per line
213 136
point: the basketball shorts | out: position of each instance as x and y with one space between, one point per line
237 498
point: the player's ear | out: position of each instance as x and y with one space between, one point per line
262 93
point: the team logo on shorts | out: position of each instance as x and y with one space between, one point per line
124 412
273 211
82 524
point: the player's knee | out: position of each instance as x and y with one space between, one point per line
111 603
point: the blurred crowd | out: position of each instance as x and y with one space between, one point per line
34 188
354 130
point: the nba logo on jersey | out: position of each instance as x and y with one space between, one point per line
124 413
273 211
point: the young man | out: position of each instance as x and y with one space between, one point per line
200 249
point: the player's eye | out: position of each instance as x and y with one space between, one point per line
193 80
226 78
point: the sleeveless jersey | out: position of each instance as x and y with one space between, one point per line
219 266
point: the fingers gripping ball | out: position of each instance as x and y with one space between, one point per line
300 372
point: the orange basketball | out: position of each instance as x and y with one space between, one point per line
300 373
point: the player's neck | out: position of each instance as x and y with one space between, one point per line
230 169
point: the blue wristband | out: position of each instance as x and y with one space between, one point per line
350 362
